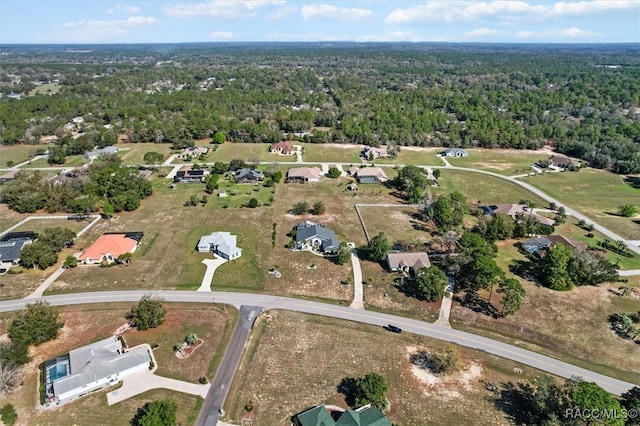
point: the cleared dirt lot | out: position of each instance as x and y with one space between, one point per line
295 361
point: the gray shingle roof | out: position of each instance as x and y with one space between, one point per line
308 230
10 250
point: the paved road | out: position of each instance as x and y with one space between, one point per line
267 302
224 376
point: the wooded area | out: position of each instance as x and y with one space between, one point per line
585 99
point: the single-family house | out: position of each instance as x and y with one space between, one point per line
11 245
193 151
455 152
563 162
311 234
189 175
9 176
221 243
92 155
367 415
92 367
540 246
515 210
371 153
408 261
282 147
248 176
370 175
109 246
304 174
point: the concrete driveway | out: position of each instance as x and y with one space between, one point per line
212 265
357 302
144 381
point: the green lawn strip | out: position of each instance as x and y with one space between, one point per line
629 376
327 153
498 161
484 189
18 153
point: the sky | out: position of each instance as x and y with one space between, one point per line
148 21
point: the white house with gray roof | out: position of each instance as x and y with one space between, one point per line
92 367
313 235
221 243
455 152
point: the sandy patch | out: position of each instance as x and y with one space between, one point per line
496 166
445 388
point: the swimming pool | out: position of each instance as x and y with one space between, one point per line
58 371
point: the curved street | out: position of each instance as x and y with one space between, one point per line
267 302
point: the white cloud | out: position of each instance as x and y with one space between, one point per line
118 8
327 11
482 32
280 13
558 35
221 35
393 36
468 11
101 30
229 9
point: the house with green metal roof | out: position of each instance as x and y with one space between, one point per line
367 415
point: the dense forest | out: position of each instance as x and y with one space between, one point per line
584 100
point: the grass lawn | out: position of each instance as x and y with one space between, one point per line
323 153
505 162
397 223
45 89
8 217
556 324
597 194
88 323
483 189
133 153
18 153
414 156
295 361
71 161
382 294
250 152
39 225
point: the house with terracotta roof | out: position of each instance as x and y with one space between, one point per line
304 174
408 261
108 247
282 147
515 211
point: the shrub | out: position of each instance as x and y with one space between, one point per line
202 380
8 414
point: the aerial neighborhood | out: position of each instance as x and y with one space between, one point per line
318 234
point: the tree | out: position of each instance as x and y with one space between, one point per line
277 176
70 262
448 211
370 389
631 401
541 402
153 157
344 254
437 173
431 284
334 172
149 313
57 155
8 415
445 363
191 339
318 208
107 210
38 254
220 168
212 183
57 237
481 273
300 208
554 268
378 247
590 268
8 375
628 210
36 324
592 398
219 138
253 203
413 181
496 227
156 413
513 293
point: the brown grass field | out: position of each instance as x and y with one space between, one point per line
88 323
287 347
